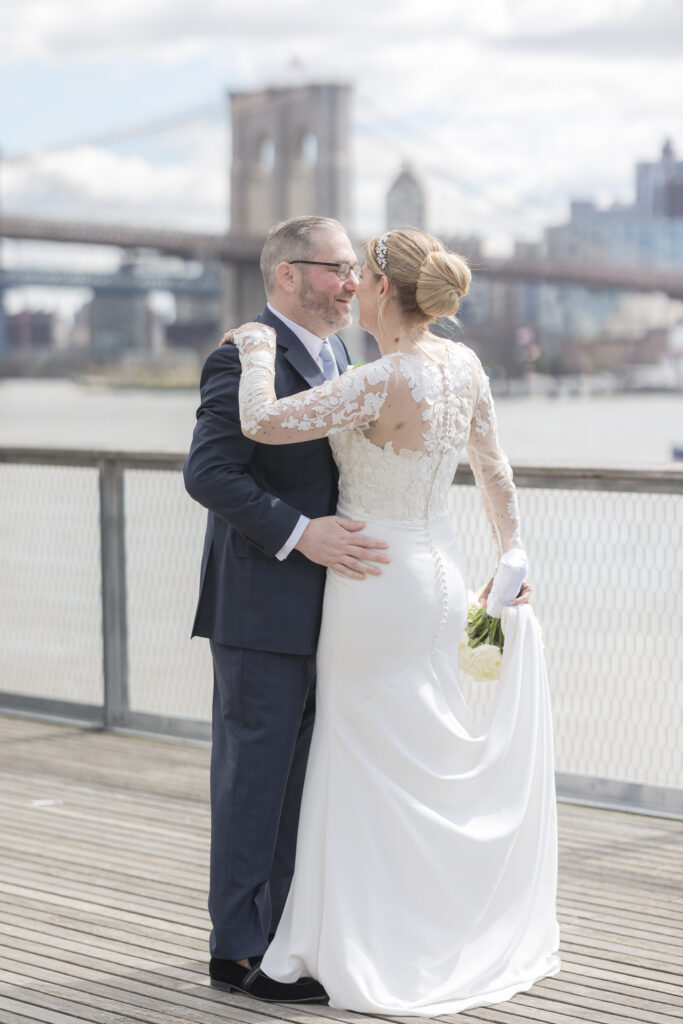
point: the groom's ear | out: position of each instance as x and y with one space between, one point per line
286 279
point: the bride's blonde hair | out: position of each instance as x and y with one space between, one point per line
426 279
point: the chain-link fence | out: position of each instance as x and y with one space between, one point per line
606 566
50 584
100 562
167 674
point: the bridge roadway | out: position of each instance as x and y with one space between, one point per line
229 248
207 284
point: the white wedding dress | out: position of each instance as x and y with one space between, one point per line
426 862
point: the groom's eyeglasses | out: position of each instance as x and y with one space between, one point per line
343 269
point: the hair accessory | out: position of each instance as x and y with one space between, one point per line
381 251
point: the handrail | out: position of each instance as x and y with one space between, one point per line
662 479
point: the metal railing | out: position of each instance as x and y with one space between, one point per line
99 567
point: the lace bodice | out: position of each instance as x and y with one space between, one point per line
397 428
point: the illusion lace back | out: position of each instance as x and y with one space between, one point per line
397 428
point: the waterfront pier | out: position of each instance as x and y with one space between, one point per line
105 851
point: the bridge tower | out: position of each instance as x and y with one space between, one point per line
290 155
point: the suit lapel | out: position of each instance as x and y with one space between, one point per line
297 355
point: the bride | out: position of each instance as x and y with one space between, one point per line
426 861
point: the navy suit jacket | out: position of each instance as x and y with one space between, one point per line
255 494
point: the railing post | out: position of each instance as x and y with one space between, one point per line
114 625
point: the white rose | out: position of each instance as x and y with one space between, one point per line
481 663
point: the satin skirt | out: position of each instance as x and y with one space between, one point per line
426 864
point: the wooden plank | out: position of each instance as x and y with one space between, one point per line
128 845
110 889
563 999
630 993
156 872
40 1010
20 913
23 786
8 1017
113 959
72 819
73 814
573 989
634 979
657 987
81 999
643 952
672 948
103 895
172 1005
593 903
593 1010
151 980
607 819
153 944
624 967
113 912
68 861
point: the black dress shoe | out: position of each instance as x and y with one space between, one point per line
228 974
253 982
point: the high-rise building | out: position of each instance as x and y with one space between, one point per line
406 200
119 323
30 330
659 186
647 233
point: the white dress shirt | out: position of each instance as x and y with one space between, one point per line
312 343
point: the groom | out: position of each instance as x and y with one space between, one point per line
270 534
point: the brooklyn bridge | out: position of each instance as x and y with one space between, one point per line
233 249
291 155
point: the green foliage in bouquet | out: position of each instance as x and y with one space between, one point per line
482 628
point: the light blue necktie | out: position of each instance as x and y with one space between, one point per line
330 368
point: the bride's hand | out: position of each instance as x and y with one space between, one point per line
524 596
229 337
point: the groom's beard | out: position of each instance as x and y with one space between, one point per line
333 310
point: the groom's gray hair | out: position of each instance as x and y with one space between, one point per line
291 240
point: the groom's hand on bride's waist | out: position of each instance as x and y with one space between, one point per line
340 545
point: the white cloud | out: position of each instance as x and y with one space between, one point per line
99 184
627 29
507 108
163 29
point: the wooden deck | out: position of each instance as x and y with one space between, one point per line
103 880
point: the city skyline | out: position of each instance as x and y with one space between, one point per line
506 110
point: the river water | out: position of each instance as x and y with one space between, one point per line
629 429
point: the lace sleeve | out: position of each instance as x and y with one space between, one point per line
491 468
354 399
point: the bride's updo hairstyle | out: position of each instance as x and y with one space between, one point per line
427 280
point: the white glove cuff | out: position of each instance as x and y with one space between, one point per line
507 582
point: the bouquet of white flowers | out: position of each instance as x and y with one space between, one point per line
480 651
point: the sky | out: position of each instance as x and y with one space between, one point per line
507 109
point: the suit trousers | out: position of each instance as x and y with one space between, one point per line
263 712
